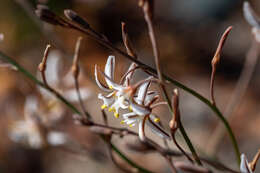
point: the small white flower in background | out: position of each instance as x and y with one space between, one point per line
122 96
32 131
244 165
61 83
252 19
1 37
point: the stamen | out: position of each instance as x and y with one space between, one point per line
157 120
130 108
110 87
112 109
131 125
103 106
116 114
122 122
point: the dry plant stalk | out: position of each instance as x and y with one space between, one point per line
136 97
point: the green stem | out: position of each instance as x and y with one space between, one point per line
192 149
214 109
67 103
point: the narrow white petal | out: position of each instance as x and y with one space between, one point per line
125 116
110 68
100 85
142 92
56 138
244 166
31 106
141 130
1 37
72 95
139 110
54 63
250 15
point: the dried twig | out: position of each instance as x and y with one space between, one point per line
215 62
236 98
75 69
42 66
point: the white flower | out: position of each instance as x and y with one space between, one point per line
64 85
244 165
252 19
1 37
142 113
32 131
118 94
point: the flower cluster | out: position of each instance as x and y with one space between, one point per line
123 95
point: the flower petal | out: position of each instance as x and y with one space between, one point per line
250 15
110 68
244 166
31 106
100 85
72 95
142 92
139 109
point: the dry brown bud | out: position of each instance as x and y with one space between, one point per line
45 14
73 16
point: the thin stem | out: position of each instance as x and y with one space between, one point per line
176 83
128 160
67 103
237 95
75 71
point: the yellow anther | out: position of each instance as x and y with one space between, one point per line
116 114
51 104
131 125
112 109
157 120
110 87
130 108
104 106
122 122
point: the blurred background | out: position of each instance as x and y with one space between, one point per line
188 32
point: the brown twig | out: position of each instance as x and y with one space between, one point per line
253 163
148 11
174 123
42 66
236 98
215 61
75 69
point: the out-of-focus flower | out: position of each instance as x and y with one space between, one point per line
1 37
244 165
252 18
63 84
32 131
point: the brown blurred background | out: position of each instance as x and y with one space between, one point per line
188 32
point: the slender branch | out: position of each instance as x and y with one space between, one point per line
42 65
237 95
215 61
67 103
75 69
109 45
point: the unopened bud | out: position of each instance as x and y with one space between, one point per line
73 16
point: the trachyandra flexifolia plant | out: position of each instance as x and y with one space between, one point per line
132 101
